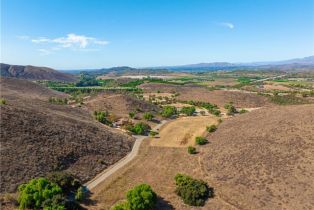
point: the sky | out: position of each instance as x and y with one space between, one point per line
87 34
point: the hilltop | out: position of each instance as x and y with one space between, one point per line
34 73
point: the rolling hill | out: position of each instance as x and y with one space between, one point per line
264 159
34 73
38 137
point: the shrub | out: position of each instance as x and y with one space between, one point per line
191 150
132 115
80 194
168 111
102 117
193 192
211 128
215 112
40 193
188 110
3 101
200 140
148 116
141 197
230 108
242 111
202 113
60 101
153 133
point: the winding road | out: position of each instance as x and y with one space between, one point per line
112 169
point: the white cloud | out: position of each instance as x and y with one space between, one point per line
41 40
72 41
101 42
22 37
227 25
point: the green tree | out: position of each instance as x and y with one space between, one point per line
40 193
102 117
139 128
193 192
168 111
141 197
66 181
188 110
230 108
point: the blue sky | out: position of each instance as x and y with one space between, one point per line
77 34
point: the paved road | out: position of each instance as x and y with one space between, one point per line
112 169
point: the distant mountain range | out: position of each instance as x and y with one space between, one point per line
286 64
306 63
44 73
34 73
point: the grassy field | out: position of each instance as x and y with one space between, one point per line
182 132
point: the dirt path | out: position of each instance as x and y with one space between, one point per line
111 170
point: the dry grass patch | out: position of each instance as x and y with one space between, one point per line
182 132
156 166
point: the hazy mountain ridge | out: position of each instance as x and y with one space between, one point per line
34 73
291 63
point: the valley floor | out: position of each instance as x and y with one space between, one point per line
250 166
156 165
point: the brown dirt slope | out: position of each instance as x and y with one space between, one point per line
38 137
264 159
34 73
119 104
218 97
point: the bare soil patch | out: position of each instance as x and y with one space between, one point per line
275 87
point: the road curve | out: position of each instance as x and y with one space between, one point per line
112 169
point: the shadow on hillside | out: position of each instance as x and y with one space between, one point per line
87 200
156 121
163 204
